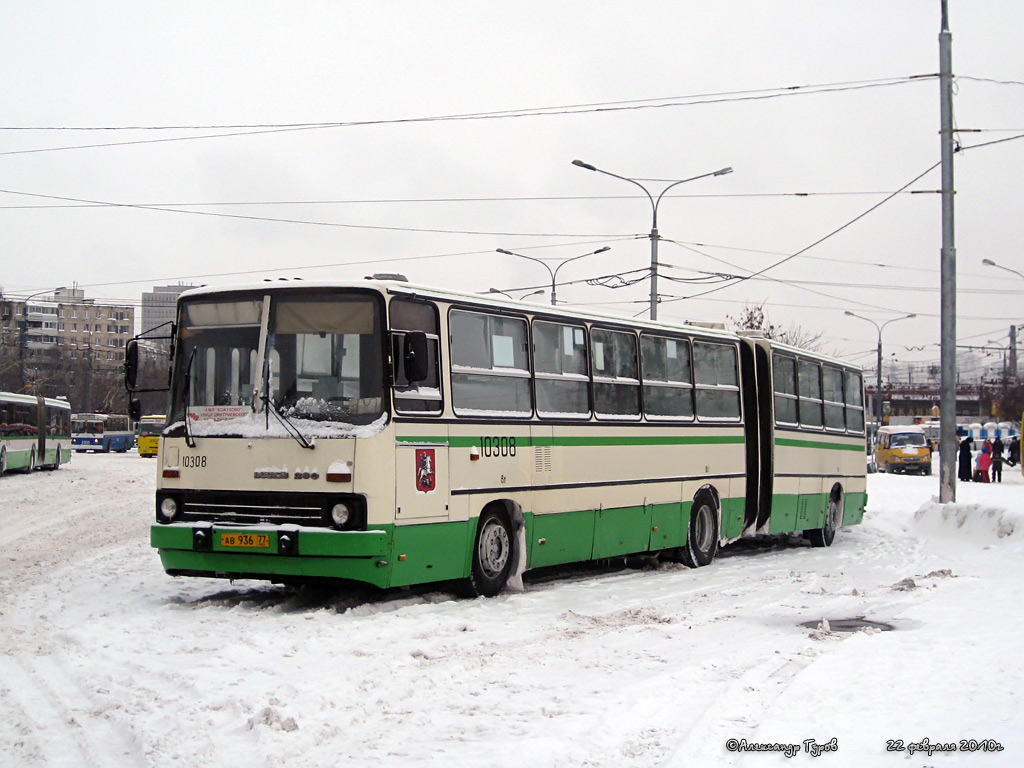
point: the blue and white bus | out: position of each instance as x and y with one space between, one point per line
101 432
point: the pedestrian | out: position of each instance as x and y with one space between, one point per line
997 447
964 467
984 462
997 465
1014 458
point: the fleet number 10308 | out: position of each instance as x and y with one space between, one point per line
491 447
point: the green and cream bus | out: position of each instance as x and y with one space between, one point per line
380 432
35 432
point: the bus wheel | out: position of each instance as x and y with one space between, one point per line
492 556
823 537
3 461
702 537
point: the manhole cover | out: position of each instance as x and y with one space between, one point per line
848 625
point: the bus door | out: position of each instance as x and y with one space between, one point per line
751 432
421 478
766 416
41 426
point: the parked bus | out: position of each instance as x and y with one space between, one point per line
149 431
35 432
101 432
383 433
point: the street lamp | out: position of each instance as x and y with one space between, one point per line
990 263
654 218
22 335
878 383
506 293
552 272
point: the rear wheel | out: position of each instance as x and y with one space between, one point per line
823 537
492 556
702 537
3 461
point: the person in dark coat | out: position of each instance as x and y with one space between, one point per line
1014 459
997 464
964 470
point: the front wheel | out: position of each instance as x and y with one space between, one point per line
702 537
492 556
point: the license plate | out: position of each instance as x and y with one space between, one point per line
246 540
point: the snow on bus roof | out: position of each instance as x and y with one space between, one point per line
899 429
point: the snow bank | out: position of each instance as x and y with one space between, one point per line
982 523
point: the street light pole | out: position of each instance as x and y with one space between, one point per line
552 272
22 334
878 381
1013 328
654 218
990 263
509 295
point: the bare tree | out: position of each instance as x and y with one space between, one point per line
754 318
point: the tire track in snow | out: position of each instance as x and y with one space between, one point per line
51 736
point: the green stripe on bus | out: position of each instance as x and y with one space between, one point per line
790 443
577 442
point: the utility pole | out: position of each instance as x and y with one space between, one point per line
947 399
1013 353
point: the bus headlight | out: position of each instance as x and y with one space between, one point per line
341 514
167 509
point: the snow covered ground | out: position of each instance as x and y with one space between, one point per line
109 662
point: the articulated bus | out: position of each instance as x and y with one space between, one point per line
388 434
149 430
35 432
101 432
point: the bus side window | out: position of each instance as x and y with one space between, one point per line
423 396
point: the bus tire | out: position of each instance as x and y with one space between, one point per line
823 537
702 535
3 461
492 556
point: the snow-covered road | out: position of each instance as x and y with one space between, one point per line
109 662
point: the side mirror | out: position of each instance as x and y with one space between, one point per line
131 365
134 410
415 356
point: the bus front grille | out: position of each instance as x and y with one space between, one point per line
244 507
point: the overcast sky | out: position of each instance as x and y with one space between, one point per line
648 90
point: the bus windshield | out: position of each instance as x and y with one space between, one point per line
151 427
322 359
907 439
87 426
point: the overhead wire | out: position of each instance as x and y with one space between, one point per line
616 106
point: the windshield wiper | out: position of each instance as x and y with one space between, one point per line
269 407
186 398
290 427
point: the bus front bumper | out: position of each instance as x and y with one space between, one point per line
269 552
